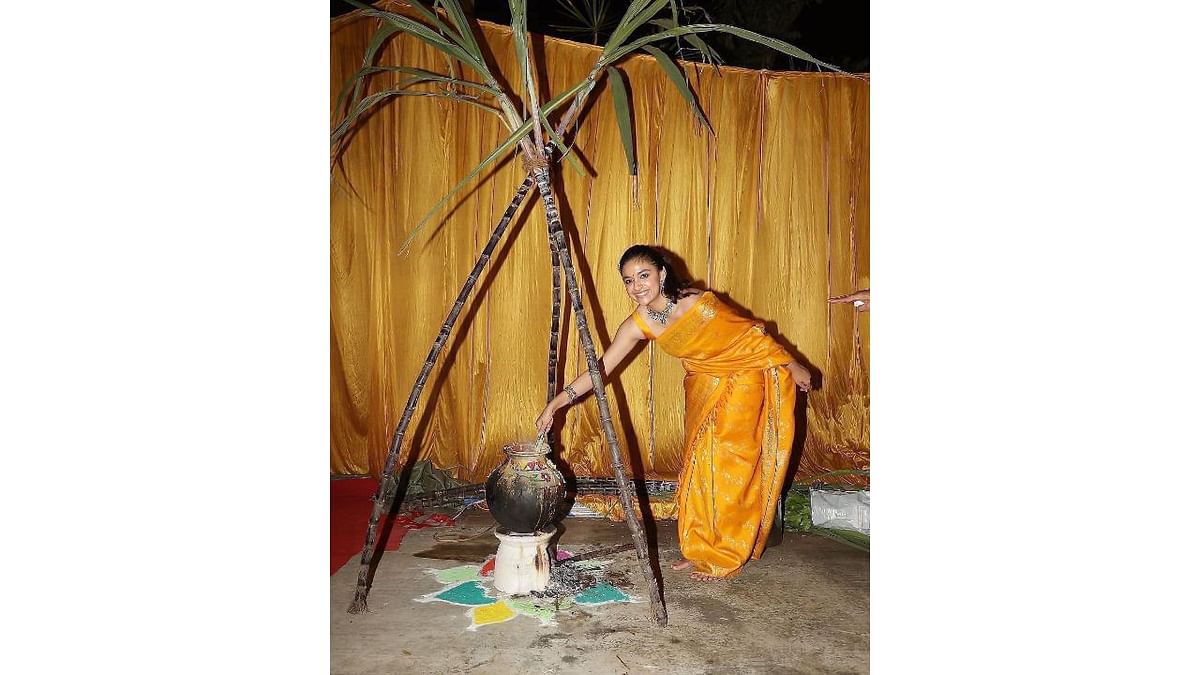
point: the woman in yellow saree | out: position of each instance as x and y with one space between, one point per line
740 393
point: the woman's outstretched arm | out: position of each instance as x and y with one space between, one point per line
861 300
628 335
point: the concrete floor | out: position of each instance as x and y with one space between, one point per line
803 608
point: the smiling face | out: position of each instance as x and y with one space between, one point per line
642 280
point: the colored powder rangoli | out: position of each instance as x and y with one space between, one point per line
470 586
493 613
466 593
456 574
601 594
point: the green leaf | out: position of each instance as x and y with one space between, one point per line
849 537
562 146
467 42
620 96
710 55
638 14
520 28
381 35
508 143
634 8
680 81
379 97
520 35
777 45
432 17
423 76
454 9
427 35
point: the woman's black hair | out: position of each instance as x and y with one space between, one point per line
674 283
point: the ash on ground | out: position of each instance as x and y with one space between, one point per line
567 580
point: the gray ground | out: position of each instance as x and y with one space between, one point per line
803 608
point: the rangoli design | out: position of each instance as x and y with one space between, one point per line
470 586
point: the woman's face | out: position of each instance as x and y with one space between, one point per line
642 280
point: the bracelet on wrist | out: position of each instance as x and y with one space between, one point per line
570 392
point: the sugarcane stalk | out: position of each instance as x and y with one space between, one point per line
555 313
555 271
541 175
385 494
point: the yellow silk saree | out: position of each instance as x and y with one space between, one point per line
740 423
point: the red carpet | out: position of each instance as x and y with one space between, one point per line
350 509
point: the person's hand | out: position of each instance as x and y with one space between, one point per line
861 300
801 375
546 419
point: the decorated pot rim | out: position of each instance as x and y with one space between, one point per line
527 449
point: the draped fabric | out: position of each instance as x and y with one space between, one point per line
772 209
738 409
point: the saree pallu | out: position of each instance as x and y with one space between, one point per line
740 422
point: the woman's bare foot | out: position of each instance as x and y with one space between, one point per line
680 565
700 576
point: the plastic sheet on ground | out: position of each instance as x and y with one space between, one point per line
842 509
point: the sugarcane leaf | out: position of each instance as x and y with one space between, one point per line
431 76
520 37
620 96
385 31
699 45
777 45
566 150
520 27
499 150
467 42
633 20
680 81
630 11
425 34
432 17
635 7
703 47
455 11
379 97
423 76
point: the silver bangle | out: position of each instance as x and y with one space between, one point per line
571 395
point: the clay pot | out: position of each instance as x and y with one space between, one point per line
524 492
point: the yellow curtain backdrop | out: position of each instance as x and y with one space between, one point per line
772 212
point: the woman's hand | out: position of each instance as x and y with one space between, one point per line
861 300
801 375
546 419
